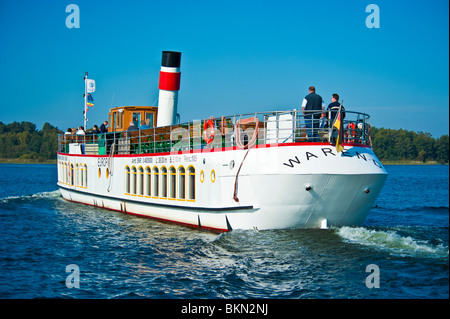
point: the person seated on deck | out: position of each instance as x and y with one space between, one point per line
96 130
133 141
80 135
68 136
132 127
81 131
144 125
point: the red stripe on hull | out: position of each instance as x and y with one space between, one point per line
216 230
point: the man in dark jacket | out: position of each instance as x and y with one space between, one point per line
103 127
312 107
333 110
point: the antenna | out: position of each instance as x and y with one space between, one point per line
112 100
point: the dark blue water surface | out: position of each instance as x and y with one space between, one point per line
406 237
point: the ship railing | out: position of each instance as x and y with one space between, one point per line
241 131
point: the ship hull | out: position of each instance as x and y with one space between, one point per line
266 187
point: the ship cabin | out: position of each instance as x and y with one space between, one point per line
119 118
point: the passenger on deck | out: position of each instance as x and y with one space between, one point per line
313 104
68 135
144 125
132 127
96 130
333 109
103 127
81 131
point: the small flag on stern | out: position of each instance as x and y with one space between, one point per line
90 100
340 137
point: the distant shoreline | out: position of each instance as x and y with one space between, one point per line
25 161
412 163
29 161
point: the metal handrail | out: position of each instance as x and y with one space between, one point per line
277 127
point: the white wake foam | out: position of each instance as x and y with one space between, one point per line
53 194
392 242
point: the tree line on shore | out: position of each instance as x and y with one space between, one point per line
24 142
403 145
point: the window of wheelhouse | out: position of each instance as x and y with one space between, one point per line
149 119
120 119
137 118
181 182
191 183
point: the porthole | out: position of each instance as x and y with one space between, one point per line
99 172
107 173
202 176
213 176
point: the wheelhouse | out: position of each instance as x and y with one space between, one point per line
119 118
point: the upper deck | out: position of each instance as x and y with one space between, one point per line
240 131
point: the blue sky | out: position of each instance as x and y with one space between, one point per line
237 57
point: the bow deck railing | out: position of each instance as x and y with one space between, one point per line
240 131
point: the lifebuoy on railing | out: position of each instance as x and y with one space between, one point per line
252 141
208 123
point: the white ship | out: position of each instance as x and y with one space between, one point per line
246 171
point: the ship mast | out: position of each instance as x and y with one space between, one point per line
85 99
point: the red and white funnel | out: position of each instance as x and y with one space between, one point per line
169 85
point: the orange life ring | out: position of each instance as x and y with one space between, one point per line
209 123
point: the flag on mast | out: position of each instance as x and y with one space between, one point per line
90 100
90 86
340 136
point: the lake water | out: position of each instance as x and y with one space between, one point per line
400 252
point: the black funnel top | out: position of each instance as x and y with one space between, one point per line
171 59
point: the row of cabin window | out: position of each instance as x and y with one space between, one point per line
160 182
71 176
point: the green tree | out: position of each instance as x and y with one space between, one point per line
49 143
407 145
442 149
424 145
